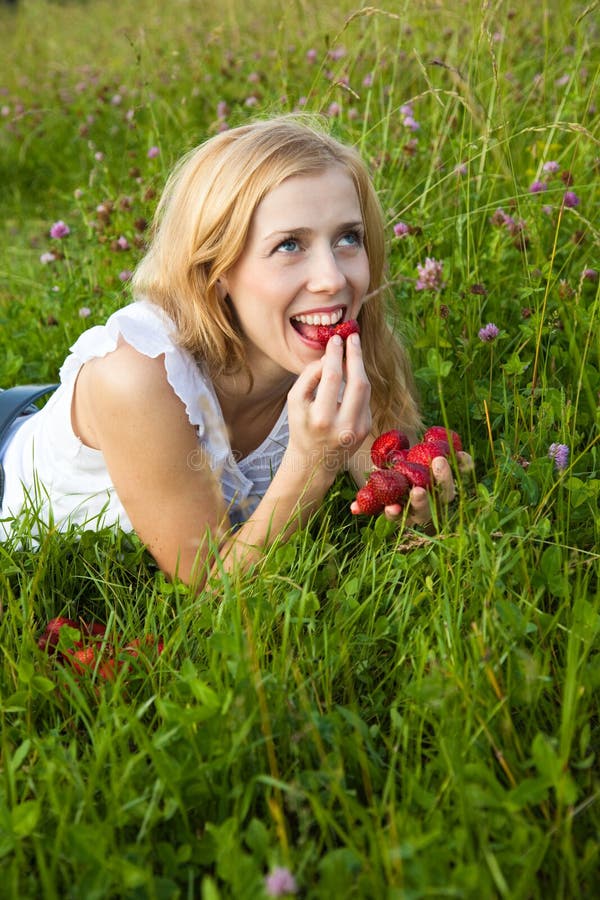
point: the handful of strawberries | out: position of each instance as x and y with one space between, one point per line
399 467
92 652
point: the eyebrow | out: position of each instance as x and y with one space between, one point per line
345 226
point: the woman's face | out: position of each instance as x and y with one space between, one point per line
304 264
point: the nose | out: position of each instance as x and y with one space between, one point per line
326 275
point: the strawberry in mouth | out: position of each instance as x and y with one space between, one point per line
322 327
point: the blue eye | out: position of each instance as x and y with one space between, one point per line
351 239
289 245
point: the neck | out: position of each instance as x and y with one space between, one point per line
236 396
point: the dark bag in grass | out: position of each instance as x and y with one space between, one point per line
15 402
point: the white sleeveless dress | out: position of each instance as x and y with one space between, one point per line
48 468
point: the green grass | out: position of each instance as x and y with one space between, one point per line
388 714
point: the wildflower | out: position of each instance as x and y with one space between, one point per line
59 230
84 312
46 258
401 229
78 193
551 167
547 209
590 275
411 123
153 152
98 156
334 109
125 275
461 169
430 275
368 80
337 53
311 55
116 100
122 243
536 187
406 109
570 199
280 882
251 100
222 109
253 77
560 454
489 333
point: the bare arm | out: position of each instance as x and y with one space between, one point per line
126 408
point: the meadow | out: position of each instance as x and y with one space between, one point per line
373 712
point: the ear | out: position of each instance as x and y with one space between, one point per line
222 287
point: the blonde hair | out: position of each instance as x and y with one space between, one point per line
200 230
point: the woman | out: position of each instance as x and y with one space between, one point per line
209 402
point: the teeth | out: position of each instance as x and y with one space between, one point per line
320 318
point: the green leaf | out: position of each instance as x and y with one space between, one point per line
25 818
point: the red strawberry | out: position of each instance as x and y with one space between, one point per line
439 433
417 474
344 329
386 445
366 502
425 452
52 632
388 486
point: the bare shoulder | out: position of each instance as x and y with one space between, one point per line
121 390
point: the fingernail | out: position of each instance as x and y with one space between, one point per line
437 467
355 338
337 340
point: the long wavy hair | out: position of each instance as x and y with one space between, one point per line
200 230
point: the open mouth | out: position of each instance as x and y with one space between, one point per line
313 326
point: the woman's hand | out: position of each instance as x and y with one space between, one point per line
443 491
325 430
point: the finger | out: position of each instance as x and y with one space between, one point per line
328 390
307 382
444 480
465 462
393 511
357 391
420 509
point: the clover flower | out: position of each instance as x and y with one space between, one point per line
430 275
560 454
153 152
401 229
536 187
59 230
47 258
280 882
551 167
570 199
488 333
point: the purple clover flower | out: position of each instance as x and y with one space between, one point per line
84 312
59 230
590 274
551 167
401 229
430 275
280 882
570 199
536 187
560 454
125 275
153 152
488 333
